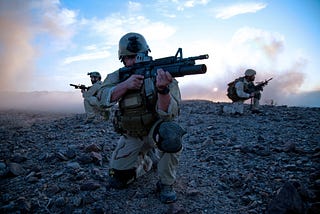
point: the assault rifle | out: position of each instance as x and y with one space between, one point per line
175 65
259 87
80 86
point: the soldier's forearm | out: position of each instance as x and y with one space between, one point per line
118 92
163 102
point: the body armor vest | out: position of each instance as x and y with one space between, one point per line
137 113
232 92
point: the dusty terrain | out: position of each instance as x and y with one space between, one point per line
54 163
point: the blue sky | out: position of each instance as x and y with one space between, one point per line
45 45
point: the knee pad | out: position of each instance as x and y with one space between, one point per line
168 136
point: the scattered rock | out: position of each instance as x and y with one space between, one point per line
287 200
52 163
16 169
90 185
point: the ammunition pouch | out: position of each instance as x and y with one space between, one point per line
134 118
135 125
116 121
168 136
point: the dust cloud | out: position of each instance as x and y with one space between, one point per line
19 28
43 101
16 52
264 52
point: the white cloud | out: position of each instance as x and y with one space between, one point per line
111 28
54 19
91 47
190 3
168 7
134 6
87 56
251 45
116 25
236 9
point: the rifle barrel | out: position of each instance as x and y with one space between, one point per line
189 70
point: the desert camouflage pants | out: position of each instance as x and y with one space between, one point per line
91 107
238 107
140 153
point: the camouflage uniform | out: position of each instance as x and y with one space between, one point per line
136 147
243 90
90 101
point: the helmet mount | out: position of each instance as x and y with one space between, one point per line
133 46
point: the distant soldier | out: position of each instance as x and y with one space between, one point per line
91 103
243 89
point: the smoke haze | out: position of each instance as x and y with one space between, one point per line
265 53
43 101
248 48
16 53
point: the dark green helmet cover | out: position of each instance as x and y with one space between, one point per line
94 74
168 136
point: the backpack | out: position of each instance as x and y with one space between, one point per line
231 90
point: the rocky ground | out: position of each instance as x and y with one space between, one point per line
269 163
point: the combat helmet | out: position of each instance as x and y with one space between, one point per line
132 44
94 74
249 72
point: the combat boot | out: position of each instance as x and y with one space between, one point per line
119 179
88 120
114 183
256 111
167 193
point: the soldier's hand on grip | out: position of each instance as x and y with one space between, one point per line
134 82
164 78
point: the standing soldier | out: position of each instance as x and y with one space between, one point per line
144 122
90 101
